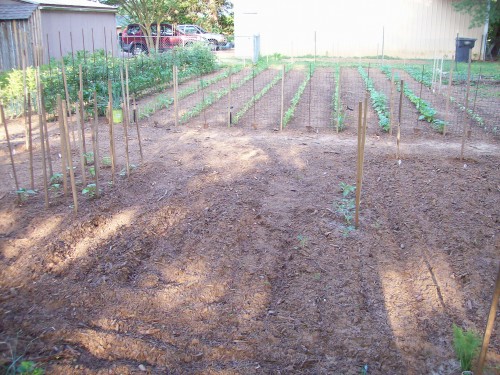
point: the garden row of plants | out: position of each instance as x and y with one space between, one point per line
426 79
256 97
338 113
215 96
427 112
147 74
287 117
379 101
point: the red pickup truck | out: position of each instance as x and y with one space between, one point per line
134 41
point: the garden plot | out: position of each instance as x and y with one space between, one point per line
315 107
226 250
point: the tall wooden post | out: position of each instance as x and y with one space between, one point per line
465 127
282 97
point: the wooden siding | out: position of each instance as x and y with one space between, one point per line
12 37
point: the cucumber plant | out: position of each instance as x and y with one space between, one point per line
379 101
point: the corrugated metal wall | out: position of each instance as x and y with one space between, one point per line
406 28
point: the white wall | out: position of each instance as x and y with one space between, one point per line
412 28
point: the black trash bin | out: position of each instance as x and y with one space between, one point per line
463 46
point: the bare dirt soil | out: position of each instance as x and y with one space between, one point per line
224 252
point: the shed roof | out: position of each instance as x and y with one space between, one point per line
71 4
16 11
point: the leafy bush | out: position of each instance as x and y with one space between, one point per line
147 74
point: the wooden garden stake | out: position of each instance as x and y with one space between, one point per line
30 143
400 114
111 135
82 108
64 152
80 145
489 325
391 109
310 92
176 98
127 91
450 85
65 81
95 144
125 123
2 114
282 97
229 114
360 160
421 87
338 94
44 162
45 129
464 135
136 111
70 158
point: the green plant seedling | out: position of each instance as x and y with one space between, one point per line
123 172
106 161
466 345
346 208
303 241
347 189
29 368
89 158
56 178
92 171
24 194
90 190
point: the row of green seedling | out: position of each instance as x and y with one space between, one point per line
338 116
379 101
426 79
164 101
259 95
287 117
427 112
213 97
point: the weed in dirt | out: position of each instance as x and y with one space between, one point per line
92 171
364 370
466 345
346 206
18 364
123 172
303 241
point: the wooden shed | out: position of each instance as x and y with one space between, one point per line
58 27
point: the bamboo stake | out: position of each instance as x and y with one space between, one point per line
64 151
359 174
80 145
450 85
44 163
282 97
127 91
95 145
30 144
421 88
45 128
136 111
339 90
68 100
489 325
176 98
229 113
400 113
111 132
70 158
11 154
464 135
23 46
82 108
125 122
391 109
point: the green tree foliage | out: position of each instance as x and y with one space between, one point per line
214 15
480 10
